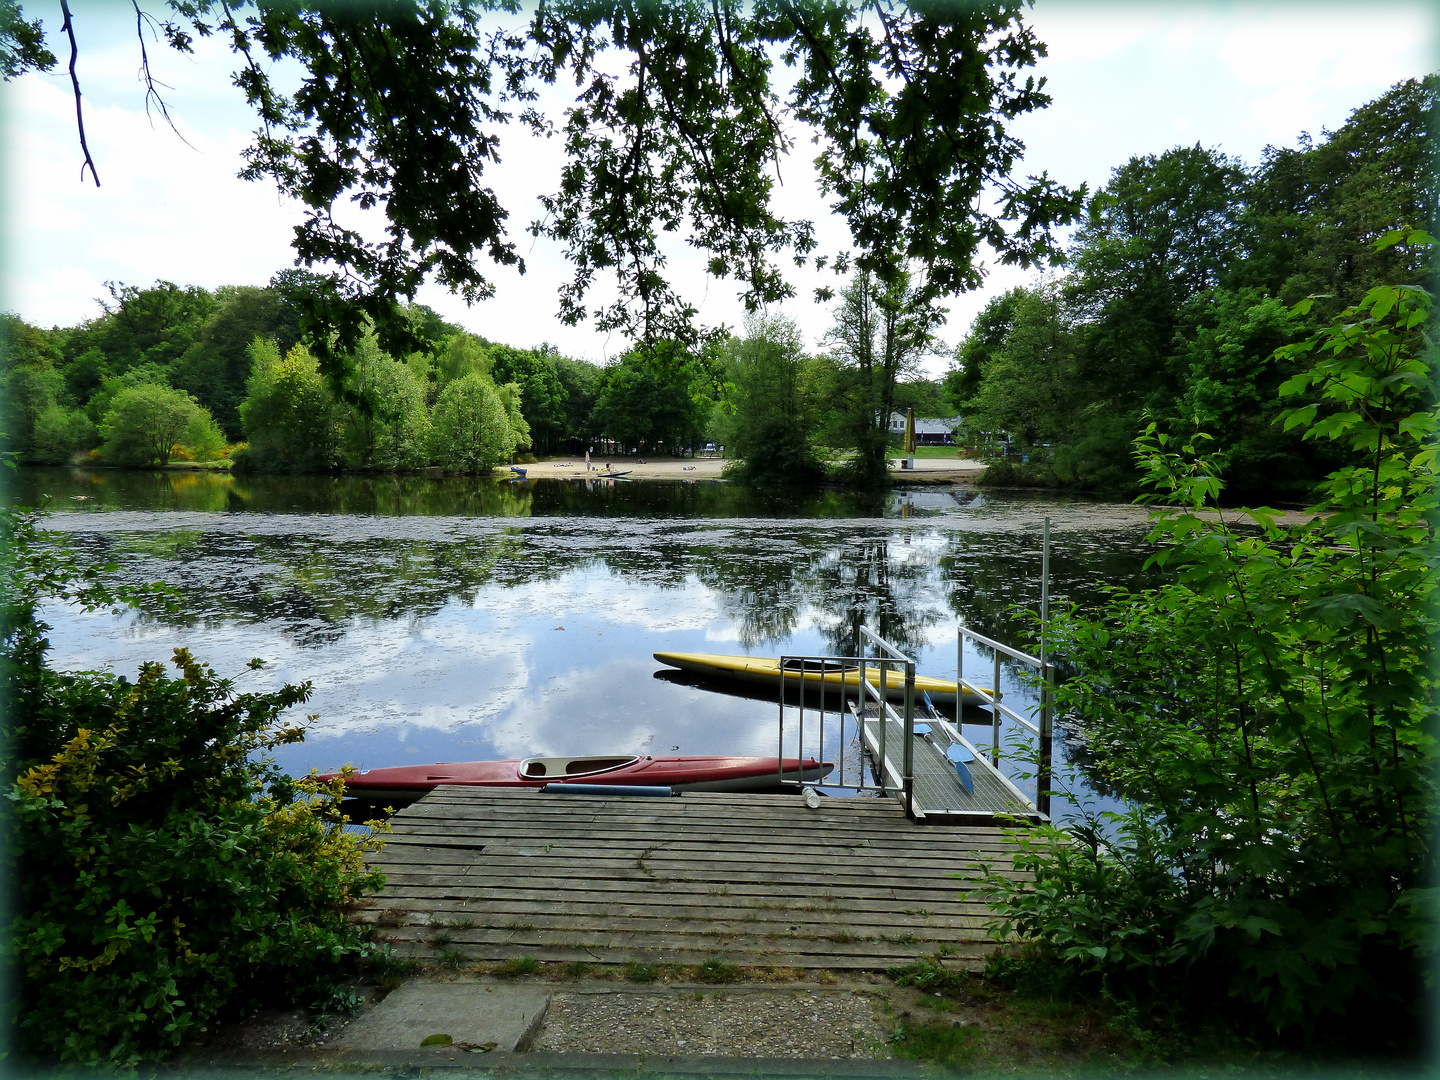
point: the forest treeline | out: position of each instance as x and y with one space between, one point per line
1178 289
170 373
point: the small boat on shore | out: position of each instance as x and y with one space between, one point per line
407 783
517 470
831 675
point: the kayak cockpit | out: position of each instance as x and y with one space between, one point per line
565 768
817 664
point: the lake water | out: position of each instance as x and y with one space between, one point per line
455 619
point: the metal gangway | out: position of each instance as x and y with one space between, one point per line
1042 726
917 762
870 701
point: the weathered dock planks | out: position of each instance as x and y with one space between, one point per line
497 874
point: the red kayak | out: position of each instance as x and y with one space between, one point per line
406 783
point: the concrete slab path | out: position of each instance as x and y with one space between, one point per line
471 1016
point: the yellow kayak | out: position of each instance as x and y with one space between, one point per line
766 669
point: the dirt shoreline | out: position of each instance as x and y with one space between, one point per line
926 471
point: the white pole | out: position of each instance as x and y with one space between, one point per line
1044 594
1042 779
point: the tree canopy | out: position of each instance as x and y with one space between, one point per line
673 130
1182 281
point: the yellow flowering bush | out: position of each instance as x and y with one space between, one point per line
164 872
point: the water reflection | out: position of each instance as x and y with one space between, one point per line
465 620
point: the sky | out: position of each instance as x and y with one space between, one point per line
1126 80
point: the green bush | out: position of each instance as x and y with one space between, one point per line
289 414
470 426
203 438
164 872
144 422
60 434
1270 715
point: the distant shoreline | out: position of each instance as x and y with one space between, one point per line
927 471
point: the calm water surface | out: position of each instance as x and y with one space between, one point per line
462 619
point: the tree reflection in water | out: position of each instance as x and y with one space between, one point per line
459 618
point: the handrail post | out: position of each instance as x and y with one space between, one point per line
995 713
820 755
960 678
910 739
1042 774
881 698
864 689
780 749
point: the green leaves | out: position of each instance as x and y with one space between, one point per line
1344 609
675 129
162 869
1269 715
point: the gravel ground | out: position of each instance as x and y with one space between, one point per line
781 1022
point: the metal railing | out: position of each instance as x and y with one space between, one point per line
893 669
1042 728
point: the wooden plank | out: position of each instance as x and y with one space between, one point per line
470 904
734 806
964 958
841 934
705 801
656 871
798 845
658 811
634 876
575 807
817 839
637 908
918 892
562 855
480 817
479 891
837 946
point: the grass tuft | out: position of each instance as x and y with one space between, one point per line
514 968
451 959
717 971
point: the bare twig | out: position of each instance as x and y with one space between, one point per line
150 82
69 28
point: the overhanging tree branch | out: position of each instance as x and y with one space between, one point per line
150 83
69 28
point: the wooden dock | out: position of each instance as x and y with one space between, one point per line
751 880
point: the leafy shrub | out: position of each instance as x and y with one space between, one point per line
61 433
470 426
289 415
203 438
164 871
143 422
1270 713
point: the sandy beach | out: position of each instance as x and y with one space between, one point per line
926 471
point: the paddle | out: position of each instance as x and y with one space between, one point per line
958 756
